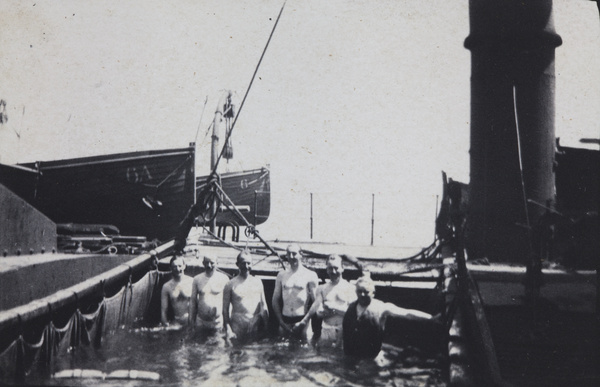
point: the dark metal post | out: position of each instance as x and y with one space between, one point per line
311 216
372 216
214 152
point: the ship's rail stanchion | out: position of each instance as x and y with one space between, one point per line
235 231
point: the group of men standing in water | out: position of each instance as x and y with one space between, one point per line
343 314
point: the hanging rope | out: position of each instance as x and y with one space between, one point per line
206 134
200 122
529 237
533 275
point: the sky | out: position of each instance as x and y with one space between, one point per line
357 102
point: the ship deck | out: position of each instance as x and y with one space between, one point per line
556 341
546 346
569 290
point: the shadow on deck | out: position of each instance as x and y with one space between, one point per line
546 347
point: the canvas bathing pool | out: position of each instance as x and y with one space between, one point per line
118 333
184 358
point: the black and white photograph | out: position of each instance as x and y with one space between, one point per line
299 193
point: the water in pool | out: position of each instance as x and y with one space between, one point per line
184 358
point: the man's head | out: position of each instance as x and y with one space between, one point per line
244 262
335 268
365 290
177 266
294 255
210 263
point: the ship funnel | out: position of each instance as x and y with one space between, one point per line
512 44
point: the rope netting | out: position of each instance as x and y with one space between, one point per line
38 343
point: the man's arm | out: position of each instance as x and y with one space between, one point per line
263 302
354 261
311 289
312 311
164 304
409 314
277 301
226 303
193 304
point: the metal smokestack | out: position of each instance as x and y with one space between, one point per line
512 45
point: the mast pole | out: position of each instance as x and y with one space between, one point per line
214 154
219 115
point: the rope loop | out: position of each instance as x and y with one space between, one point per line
251 231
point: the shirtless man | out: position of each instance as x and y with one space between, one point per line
294 293
332 300
176 293
207 297
246 297
364 321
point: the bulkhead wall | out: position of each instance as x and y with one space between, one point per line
23 229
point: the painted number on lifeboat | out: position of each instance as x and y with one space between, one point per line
138 174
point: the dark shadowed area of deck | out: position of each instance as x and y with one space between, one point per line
547 348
